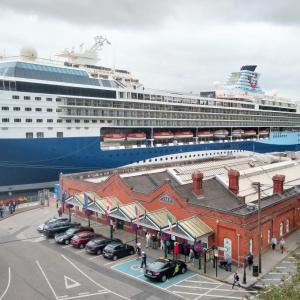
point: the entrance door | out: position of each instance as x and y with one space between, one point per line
227 245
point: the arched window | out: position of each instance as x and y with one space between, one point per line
287 226
269 236
281 229
250 246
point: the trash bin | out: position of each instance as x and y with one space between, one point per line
255 270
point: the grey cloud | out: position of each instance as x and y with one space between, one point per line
151 13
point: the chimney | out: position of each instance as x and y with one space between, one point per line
233 177
197 183
278 181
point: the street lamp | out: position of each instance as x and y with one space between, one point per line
238 249
258 185
244 277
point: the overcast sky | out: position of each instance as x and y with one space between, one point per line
181 45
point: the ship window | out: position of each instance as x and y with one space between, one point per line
5 120
86 121
15 97
140 96
27 108
26 97
77 121
29 135
60 134
49 109
38 98
17 108
5 108
58 99
59 120
48 99
39 120
40 134
68 121
17 120
49 121
28 120
94 121
38 109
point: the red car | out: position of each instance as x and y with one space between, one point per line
81 239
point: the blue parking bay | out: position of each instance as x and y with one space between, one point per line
132 268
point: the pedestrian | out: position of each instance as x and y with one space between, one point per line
59 211
162 243
250 260
14 206
10 207
176 250
148 238
1 211
191 255
282 245
138 250
236 280
144 260
273 243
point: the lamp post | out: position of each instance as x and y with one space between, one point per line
244 277
238 249
258 185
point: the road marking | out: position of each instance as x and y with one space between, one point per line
206 282
209 291
70 283
67 246
51 288
271 279
206 288
120 261
84 293
64 296
206 295
186 279
82 250
91 279
287 262
277 273
84 296
281 267
8 284
92 258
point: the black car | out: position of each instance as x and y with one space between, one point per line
117 250
161 269
53 220
58 227
97 245
65 237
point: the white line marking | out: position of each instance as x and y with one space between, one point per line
91 279
51 288
224 297
209 291
67 246
120 262
225 290
271 279
70 283
84 296
287 262
181 281
281 267
277 273
82 250
8 284
84 293
64 296
206 282
94 257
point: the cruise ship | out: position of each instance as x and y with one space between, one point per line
73 115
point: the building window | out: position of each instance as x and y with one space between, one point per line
40 134
49 109
17 120
27 108
58 99
48 99
39 120
59 120
38 98
49 121
5 108
86 121
38 109
26 97
94 121
60 134
5 120
287 226
68 121
269 236
28 120
17 108
29 135
77 121
250 246
281 229
15 97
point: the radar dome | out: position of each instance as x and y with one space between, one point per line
28 52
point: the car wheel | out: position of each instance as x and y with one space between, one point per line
163 278
67 242
115 257
99 252
131 252
183 270
81 246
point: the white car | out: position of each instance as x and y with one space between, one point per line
42 227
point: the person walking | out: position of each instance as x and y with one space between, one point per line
236 280
176 250
282 245
138 250
10 208
273 243
250 260
191 255
14 205
148 238
144 260
1 211
59 211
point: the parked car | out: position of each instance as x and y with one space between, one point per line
97 245
80 239
161 269
117 250
65 237
58 227
41 227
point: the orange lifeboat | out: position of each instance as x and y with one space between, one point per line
263 132
183 134
134 137
221 133
163 135
205 134
250 132
114 137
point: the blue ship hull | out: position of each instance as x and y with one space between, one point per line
28 161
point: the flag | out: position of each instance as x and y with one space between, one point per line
170 221
108 205
85 200
136 209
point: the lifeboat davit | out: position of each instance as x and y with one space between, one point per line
263 132
114 137
163 135
133 137
221 133
250 132
237 133
205 134
183 134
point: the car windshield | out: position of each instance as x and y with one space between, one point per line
71 231
98 241
157 265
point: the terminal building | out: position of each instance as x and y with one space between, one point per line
215 202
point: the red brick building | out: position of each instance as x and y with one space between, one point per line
233 221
